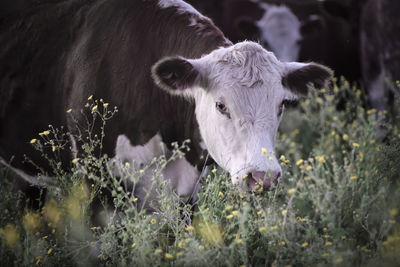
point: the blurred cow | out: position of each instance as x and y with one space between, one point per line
307 30
380 50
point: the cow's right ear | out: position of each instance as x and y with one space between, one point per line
175 75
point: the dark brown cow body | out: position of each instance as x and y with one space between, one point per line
66 51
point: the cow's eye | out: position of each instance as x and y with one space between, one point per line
221 107
281 107
285 102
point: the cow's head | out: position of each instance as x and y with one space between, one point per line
239 93
279 30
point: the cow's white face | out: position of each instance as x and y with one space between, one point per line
280 32
239 94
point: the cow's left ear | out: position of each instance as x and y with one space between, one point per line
299 77
175 74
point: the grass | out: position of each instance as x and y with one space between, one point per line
337 203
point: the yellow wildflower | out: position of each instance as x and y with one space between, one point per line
328 243
320 159
325 254
201 247
308 168
37 260
53 148
169 256
343 237
153 221
239 241
345 137
189 228
319 100
335 118
284 212
259 212
371 111
180 253
283 243
244 176
214 170
105 105
339 260
158 251
230 216
394 212
221 194
90 97
141 171
49 251
10 235
47 132
235 213
245 203
31 221
94 108
305 244
299 162
356 144
301 219
228 207
262 229
353 177
263 151
271 158
33 141
274 227
69 110
75 160
133 245
291 191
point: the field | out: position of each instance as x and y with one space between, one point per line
337 203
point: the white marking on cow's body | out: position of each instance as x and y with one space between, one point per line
34 180
183 177
280 28
74 148
182 6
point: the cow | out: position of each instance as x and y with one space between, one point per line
319 31
170 71
380 46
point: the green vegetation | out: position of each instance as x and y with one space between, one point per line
337 204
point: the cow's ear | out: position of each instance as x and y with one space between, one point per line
247 28
174 74
299 77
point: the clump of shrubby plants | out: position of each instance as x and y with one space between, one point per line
337 202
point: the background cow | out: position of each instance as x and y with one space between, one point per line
380 50
227 99
319 31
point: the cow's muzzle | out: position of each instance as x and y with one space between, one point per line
263 180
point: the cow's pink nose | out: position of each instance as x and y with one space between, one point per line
263 179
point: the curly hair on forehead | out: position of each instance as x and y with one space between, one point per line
248 62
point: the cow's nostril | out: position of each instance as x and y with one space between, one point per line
263 179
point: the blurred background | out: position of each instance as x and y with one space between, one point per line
358 39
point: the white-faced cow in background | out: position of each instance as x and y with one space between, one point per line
170 71
309 30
